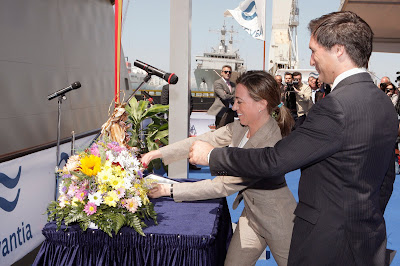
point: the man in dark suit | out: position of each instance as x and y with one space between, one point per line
345 149
224 92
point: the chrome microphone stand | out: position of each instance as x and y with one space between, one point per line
60 99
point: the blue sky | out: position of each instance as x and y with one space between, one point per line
145 33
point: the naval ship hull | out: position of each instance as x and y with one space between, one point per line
47 45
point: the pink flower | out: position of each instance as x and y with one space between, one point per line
114 146
90 208
131 205
71 190
81 194
120 192
95 150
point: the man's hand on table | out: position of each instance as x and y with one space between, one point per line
160 190
199 152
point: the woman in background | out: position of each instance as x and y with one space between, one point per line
267 217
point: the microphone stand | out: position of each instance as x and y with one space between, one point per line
60 99
145 80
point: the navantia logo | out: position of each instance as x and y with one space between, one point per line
10 183
249 13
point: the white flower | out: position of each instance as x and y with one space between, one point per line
61 188
110 156
96 198
124 159
138 200
127 182
72 164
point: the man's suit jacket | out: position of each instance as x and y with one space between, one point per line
269 211
223 97
345 149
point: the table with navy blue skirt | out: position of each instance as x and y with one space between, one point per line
188 233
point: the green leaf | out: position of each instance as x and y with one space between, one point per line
161 134
79 174
120 221
156 109
141 110
164 141
135 224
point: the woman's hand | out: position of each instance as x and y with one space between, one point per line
148 157
160 190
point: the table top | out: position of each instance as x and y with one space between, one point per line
188 233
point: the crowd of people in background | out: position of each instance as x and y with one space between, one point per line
299 97
393 93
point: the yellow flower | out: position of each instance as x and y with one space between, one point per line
116 182
103 188
111 199
90 165
119 171
74 201
105 175
114 195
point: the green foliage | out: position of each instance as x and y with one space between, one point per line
155 134
109 220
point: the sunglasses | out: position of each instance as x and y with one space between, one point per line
227 72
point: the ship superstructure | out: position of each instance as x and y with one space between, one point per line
209 64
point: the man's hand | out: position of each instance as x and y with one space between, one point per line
199 152
160 190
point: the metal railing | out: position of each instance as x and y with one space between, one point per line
199 94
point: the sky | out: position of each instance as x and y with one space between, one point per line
145 33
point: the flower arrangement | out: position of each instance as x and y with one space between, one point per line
103 185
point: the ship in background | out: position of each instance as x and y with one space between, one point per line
209 64
208 70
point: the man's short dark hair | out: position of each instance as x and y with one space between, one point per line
228 66
288 74
347 29
297 74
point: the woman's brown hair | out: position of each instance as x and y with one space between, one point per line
262 85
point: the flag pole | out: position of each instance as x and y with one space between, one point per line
118 17
264 57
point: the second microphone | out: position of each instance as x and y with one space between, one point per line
168 77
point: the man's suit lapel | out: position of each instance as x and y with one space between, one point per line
224 85
226 88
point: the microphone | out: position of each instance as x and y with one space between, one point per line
71 87
168 77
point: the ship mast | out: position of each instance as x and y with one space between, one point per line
224 47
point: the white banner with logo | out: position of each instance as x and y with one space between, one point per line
250 14
27 185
